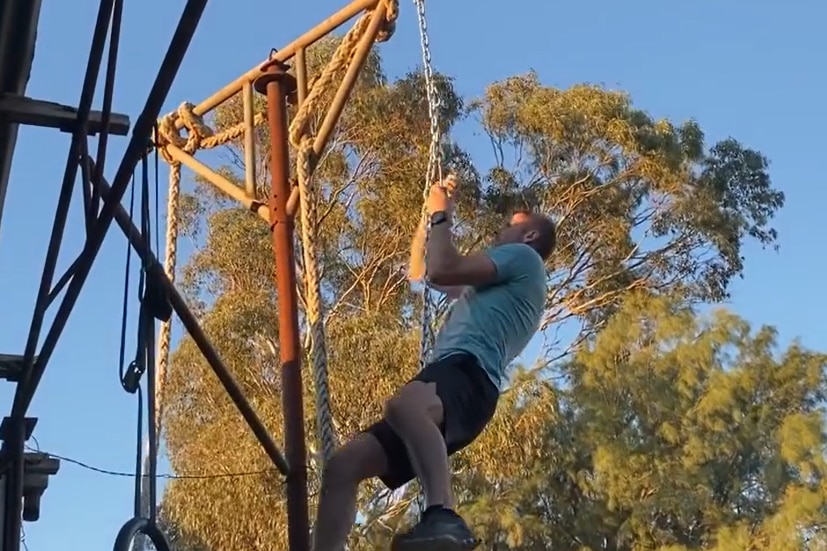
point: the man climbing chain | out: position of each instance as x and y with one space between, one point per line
500 297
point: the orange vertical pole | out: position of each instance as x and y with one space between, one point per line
278 85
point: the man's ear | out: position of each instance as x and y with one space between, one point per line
530 236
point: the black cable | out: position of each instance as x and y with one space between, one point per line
148 341
145 222
125 310
163 476
143 359
99 470
136 504
131 375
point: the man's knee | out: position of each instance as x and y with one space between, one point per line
358 460
414 401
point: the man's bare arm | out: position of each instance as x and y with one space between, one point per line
451 268
416 270
417 263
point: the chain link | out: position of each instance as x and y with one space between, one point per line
433 174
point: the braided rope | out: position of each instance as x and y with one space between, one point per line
166 133
303 142
314 308
200 136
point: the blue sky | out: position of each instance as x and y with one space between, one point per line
751 70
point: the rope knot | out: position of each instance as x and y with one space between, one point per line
167 133
389 26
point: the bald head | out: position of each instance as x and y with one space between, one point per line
546 238
534 229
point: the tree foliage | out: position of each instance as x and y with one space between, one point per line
643 206
675 432
641 203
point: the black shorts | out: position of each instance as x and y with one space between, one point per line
469 400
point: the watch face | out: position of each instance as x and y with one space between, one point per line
437 218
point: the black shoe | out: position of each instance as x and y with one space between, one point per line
439 530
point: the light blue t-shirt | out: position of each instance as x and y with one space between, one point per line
495 323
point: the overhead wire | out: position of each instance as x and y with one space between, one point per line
163 476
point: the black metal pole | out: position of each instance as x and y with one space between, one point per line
14 484
13 510
87 94
108 93
134 150
156 273
277 84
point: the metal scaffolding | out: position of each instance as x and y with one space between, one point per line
102 205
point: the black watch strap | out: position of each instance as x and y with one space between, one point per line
439 217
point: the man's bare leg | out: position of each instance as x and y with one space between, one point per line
358 460
415 413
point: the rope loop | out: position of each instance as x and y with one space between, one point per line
199 134
342 57
168 133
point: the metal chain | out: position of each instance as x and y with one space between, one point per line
433 174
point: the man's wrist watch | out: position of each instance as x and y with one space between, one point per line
439 217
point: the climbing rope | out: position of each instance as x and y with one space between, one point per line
433 173
303 142
200 136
